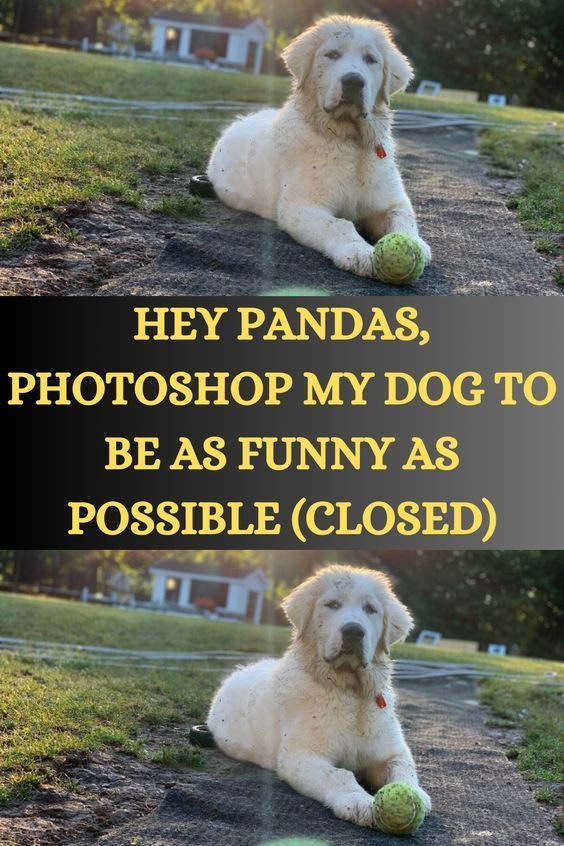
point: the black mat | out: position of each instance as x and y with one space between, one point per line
479 798
478 245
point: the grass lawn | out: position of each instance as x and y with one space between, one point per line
538 162
49 709
50 159
46 69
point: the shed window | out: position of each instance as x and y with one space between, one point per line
216 41
209 590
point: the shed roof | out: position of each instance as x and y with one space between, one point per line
229 571
229 21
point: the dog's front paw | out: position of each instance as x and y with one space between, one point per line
426 249
425 798
355 257
355 807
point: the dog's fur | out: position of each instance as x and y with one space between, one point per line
312 165
312 716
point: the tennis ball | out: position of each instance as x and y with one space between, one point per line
398 809
398 259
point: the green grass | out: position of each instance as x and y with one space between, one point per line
533 668
47 161
538 712
40 69
38 618
538 161
59 620
46 69
50 159
534 118
179 756
180 206
48 710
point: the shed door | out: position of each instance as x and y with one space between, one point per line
252 604
251 55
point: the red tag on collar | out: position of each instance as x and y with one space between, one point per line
379 698
381 153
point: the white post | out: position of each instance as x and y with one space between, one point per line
85 45
184 43
258 57
159 589
184 593
159 39
258 608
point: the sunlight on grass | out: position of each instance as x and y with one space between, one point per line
47 161
72 704
538 713
539 163
48 69
51 710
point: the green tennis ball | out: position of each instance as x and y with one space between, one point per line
398 259
398 809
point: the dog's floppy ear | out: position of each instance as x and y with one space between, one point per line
398 622
298 605
398 72
298 56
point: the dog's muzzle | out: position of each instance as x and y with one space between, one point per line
352 649
353 90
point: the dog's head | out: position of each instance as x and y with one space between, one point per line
350 66
349 617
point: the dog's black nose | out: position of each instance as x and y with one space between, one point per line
352 632
352 82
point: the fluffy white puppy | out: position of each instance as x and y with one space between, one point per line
324 714
326 160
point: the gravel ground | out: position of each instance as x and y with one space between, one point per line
479 247
479 797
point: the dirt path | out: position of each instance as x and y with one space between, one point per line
479 246
479 798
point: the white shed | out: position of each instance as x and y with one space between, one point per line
232 591
232 40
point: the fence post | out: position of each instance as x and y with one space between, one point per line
85 594
85 45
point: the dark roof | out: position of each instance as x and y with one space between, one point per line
231 571
229 21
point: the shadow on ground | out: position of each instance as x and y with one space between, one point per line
479 247
479 798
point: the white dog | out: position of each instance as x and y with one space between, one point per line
326 160
325 712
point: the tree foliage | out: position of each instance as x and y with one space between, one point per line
515 598
511 47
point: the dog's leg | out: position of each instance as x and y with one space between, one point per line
398 218
335 237
335 787
399 768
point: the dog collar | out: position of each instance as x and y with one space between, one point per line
381 153
379 698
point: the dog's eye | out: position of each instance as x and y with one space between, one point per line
333 604
370 60
333 54
369 609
